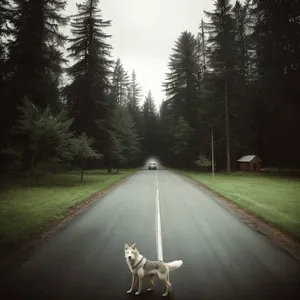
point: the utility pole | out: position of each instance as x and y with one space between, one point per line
212 155
227 124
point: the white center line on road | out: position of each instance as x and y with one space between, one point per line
159 249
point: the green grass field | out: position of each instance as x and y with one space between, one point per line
275 199
24 210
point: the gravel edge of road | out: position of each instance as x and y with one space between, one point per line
274 235
8 262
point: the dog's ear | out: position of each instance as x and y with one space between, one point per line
126 246
133 246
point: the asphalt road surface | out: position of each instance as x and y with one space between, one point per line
222 257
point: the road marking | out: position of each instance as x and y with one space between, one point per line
159 249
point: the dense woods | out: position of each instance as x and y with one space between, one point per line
238 76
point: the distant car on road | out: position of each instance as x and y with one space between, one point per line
152 166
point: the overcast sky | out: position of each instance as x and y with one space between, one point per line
144 33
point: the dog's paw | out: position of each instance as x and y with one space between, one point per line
129 292
137 293
165 294
150 290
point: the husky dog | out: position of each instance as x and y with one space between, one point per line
142 268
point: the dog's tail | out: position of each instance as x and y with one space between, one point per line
174 264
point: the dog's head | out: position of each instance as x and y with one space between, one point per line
131 252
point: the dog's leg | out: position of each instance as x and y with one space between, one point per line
151 281
168 278
140 279
132 284
168 287
164 279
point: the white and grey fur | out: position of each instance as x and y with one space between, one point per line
144 269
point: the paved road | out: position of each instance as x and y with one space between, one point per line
222 257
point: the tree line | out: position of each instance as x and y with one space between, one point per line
236 78
94 119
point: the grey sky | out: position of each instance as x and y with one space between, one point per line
144 33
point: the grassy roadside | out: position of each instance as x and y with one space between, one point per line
274 199
25 210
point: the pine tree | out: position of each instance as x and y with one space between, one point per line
182 138
35 61
126 141
149 109
222 59
166 125
135 91
242 20
278 72
86 95
120 99
202 52
134 106
242 109
149 125
120 84
134 97
182 86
